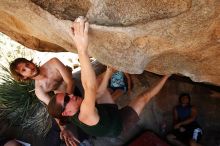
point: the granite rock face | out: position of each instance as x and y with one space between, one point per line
160 36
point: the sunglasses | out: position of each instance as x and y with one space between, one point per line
66 100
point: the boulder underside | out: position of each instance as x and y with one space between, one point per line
160 36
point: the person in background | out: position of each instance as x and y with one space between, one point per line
186 130
51 76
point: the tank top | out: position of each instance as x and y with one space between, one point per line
109 124
183 112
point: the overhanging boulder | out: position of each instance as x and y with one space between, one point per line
175 36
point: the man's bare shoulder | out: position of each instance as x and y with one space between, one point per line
50 64
53 60
88 116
